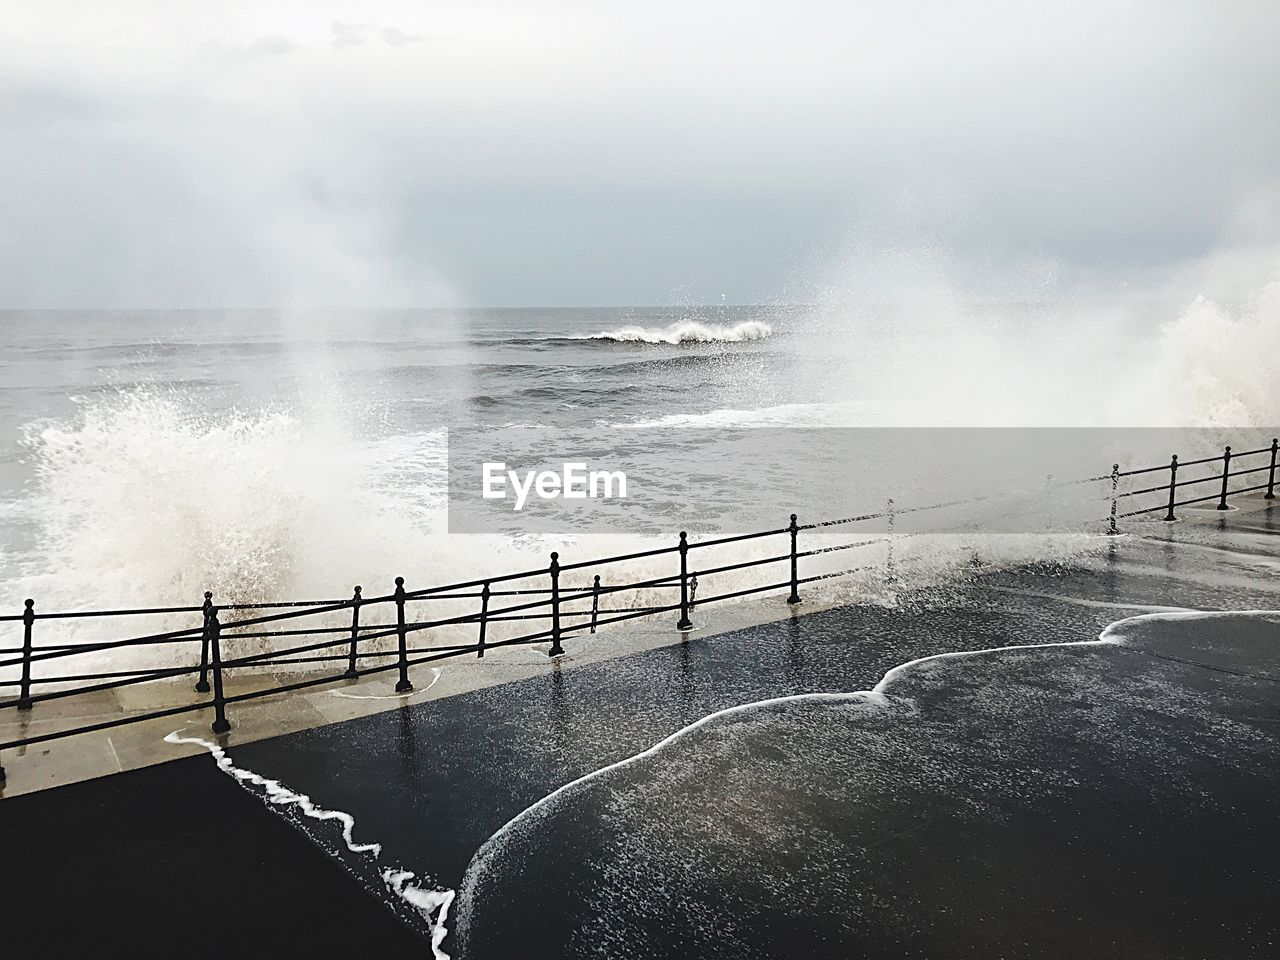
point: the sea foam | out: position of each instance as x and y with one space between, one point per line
689 331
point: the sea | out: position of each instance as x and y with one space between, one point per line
149 455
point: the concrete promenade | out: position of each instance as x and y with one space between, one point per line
1091 800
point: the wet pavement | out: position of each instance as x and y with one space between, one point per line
1116 800
1079 802
175 860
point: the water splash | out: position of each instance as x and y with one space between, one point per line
436 673
1219 366
940 355
147 499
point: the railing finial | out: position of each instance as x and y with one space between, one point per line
556 650
202 682
1226 475
890 570
352 672
220 722
1271 475
794 530
684 624
24 685
1173 488
1115 499
484 615
403 685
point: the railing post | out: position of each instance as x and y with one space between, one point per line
352 672
795 580
484 617
556 650
202 684
890 572
684 623
220 723
595 601
1173 486
1115 498
1226 475
24 689
1048 503
1271 477
402 685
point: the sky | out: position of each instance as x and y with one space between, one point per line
168 153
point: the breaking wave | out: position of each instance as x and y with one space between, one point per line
147 499
689 331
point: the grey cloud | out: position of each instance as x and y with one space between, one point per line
350 34
274 45
394 37
347 35
592 162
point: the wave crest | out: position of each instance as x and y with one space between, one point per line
689 331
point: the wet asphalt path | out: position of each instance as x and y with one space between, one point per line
432 782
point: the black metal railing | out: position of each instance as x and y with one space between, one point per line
356 646
1220 478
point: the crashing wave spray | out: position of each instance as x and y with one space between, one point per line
147 499
1220 367
1009 350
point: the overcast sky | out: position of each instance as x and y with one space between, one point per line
270 153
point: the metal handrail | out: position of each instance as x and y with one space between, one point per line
549 604
1172 503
